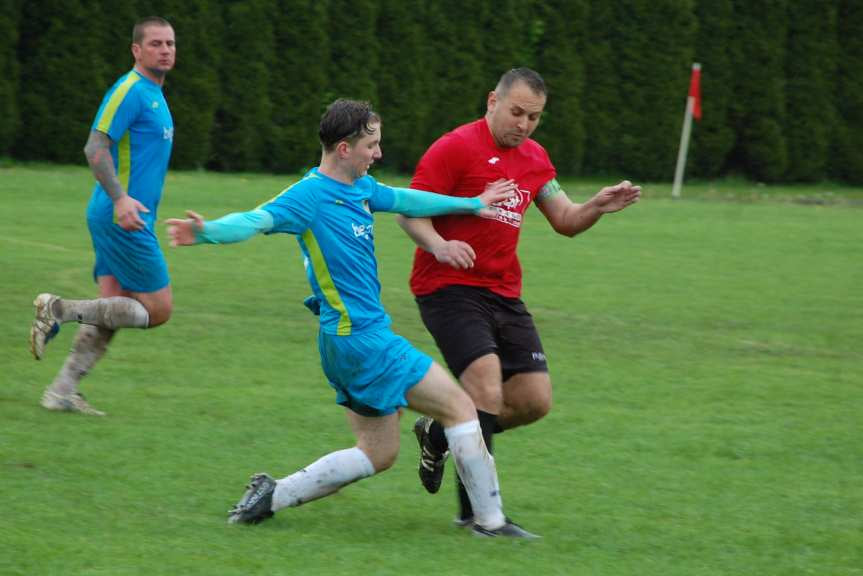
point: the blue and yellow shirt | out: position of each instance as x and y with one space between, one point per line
335 229
135 116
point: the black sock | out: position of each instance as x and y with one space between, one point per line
437 438
488 423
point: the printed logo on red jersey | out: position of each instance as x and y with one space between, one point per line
511 210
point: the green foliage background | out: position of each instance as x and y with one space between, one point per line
780 79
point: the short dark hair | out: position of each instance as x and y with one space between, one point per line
531 78
346 120
143 24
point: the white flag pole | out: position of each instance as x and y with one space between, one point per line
684 142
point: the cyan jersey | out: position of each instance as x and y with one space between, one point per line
335 229
135 116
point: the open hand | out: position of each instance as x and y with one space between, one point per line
184 231
617 197
495 192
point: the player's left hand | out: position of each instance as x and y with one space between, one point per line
617 197
184 231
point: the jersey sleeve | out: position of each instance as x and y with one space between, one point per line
293 210
118 111
382 197
441 166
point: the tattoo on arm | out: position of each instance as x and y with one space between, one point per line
549 190
98 152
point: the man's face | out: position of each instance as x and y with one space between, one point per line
363 153
514 117
157 50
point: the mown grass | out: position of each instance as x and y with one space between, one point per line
705 354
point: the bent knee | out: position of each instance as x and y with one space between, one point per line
159 315
383 460
526 410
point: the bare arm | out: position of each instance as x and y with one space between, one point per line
569 218
456 253
98 153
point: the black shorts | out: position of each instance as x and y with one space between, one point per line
469 322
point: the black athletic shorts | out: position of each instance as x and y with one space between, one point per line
468 322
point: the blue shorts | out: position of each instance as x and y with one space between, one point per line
133 258
372 371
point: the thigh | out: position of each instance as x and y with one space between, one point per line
372 372
134 259
437 395
462 323
520 348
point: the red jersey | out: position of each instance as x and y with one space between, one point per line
462 163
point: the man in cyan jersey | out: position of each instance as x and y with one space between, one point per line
373 371
128 151
466 275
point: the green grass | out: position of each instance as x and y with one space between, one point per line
705 355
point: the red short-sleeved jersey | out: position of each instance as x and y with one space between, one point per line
462 163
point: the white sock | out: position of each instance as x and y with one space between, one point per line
478 474
90 345
113 312
322 477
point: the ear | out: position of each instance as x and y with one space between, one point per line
136 51
343 148
491 101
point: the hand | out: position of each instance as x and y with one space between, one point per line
184 232
126 211
456 253
494 192
617 197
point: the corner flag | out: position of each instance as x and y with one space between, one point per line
693 110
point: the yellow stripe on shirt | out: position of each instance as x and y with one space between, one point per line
325 281
124 160
114 102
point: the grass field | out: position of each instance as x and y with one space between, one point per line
705 352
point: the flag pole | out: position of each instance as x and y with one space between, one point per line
691 101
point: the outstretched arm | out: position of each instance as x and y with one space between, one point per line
228 229
569 218
418 203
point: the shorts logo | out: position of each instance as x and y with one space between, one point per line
537 356
168 133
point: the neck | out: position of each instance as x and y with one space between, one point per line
490 131
331 168
148 74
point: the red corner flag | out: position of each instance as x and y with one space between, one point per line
695 90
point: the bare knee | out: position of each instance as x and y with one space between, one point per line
535 409
525 401
159 314
382 458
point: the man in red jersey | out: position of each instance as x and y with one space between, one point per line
466 275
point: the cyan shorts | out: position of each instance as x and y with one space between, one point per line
372 371
133 258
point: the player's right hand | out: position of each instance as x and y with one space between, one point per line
455 253
184 231
498 191
126 213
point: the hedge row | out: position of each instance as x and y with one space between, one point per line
781 79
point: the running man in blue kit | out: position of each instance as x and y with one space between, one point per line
128 152
373 371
